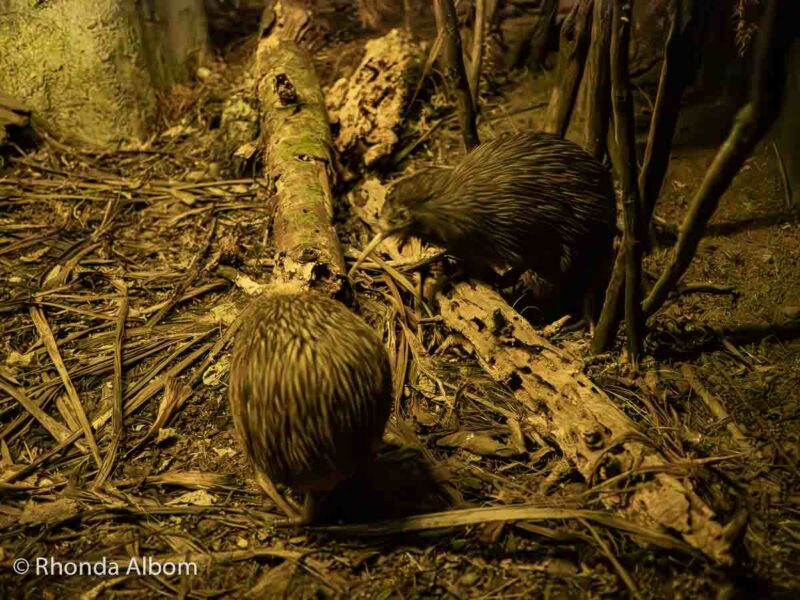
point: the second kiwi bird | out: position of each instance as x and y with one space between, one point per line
521 201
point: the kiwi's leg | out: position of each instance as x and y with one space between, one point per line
438 280
289 508
316 508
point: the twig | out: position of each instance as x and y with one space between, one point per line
716 407
705 288
606 329
787 186
534 47
677 71
624 575
478 38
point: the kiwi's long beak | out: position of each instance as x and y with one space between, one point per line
373 243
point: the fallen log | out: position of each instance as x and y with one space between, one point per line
566 408
296 143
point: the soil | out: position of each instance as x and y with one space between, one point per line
146 217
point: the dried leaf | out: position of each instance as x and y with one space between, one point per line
48 512
477 443
196 498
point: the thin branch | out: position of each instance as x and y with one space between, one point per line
624 159
447 24
677 72
597 80
479 36
573 47
752 122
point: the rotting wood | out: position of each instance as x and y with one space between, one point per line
590 430
573 47
370 104
297 149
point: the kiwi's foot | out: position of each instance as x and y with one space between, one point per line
438 281
286 505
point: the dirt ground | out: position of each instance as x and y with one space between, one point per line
163 220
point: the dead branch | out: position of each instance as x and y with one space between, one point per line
597 82
535 46
447 25
716 407
573 47
297 142
606 329
476 56
752 122
624 158
566 407
677 72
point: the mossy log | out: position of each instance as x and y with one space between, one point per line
297 149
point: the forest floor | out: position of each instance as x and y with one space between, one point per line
75 224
